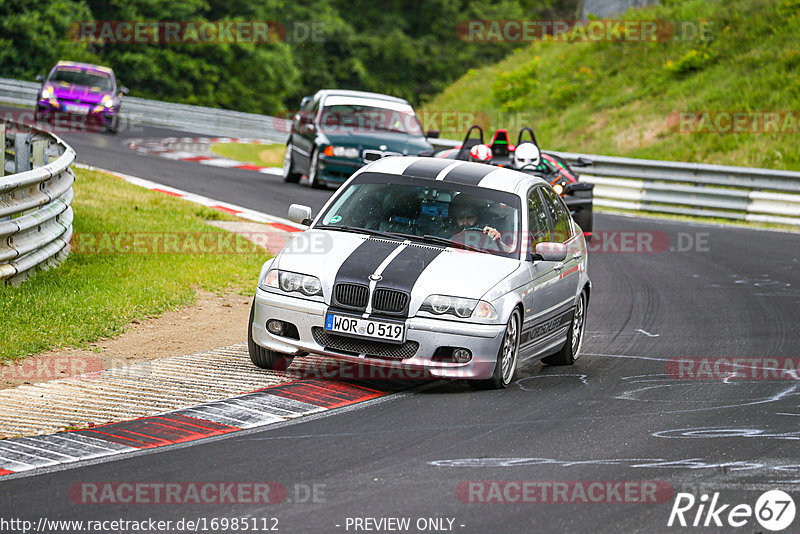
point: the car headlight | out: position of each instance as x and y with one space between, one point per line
460 307
107 101
341 151
291 282
47 93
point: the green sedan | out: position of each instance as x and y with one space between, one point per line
336 132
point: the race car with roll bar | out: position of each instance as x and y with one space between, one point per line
526 156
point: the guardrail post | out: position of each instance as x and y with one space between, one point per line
22 152
3 148
38 153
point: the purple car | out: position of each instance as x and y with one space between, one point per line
81 89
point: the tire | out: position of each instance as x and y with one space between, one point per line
114 126
261 357
572 346
585 220
313 167
39 115
288 166
506 356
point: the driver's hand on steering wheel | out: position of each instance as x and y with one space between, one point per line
491 232
495 234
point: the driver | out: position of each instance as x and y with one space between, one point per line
463 214
527 155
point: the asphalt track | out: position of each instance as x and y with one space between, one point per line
620 414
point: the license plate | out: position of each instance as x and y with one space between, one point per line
367 328
74 108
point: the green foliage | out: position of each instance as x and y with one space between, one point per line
405 48
693 60
625 97
96 292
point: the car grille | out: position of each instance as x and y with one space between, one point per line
389 301
351 295
355 346
374 155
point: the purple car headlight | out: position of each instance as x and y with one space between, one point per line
47 93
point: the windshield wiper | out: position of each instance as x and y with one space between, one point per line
359 230
439 241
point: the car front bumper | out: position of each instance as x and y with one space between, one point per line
483 341
333 171
95 112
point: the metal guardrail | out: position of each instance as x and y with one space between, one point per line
35 202
696 189
198 119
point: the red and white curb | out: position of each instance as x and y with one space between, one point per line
257 409
276 222
198 149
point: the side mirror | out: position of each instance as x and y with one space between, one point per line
301 214
40 78
304 101
433 134
124 90
550 252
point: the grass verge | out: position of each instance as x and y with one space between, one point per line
114 275
257 154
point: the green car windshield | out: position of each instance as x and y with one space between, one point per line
430 211
359 118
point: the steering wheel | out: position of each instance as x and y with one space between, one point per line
474 229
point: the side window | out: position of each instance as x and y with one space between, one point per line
312 114
562 227
537 219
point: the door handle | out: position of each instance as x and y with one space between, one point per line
578 254
558 266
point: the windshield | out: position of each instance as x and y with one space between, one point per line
82 77
421 209
360 118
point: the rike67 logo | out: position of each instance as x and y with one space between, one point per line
774 510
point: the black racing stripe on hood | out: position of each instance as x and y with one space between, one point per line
469 174
406 268
427 168
364 260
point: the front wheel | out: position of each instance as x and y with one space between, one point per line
288 166
113 126
572 346
313 169
261 357
507 355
